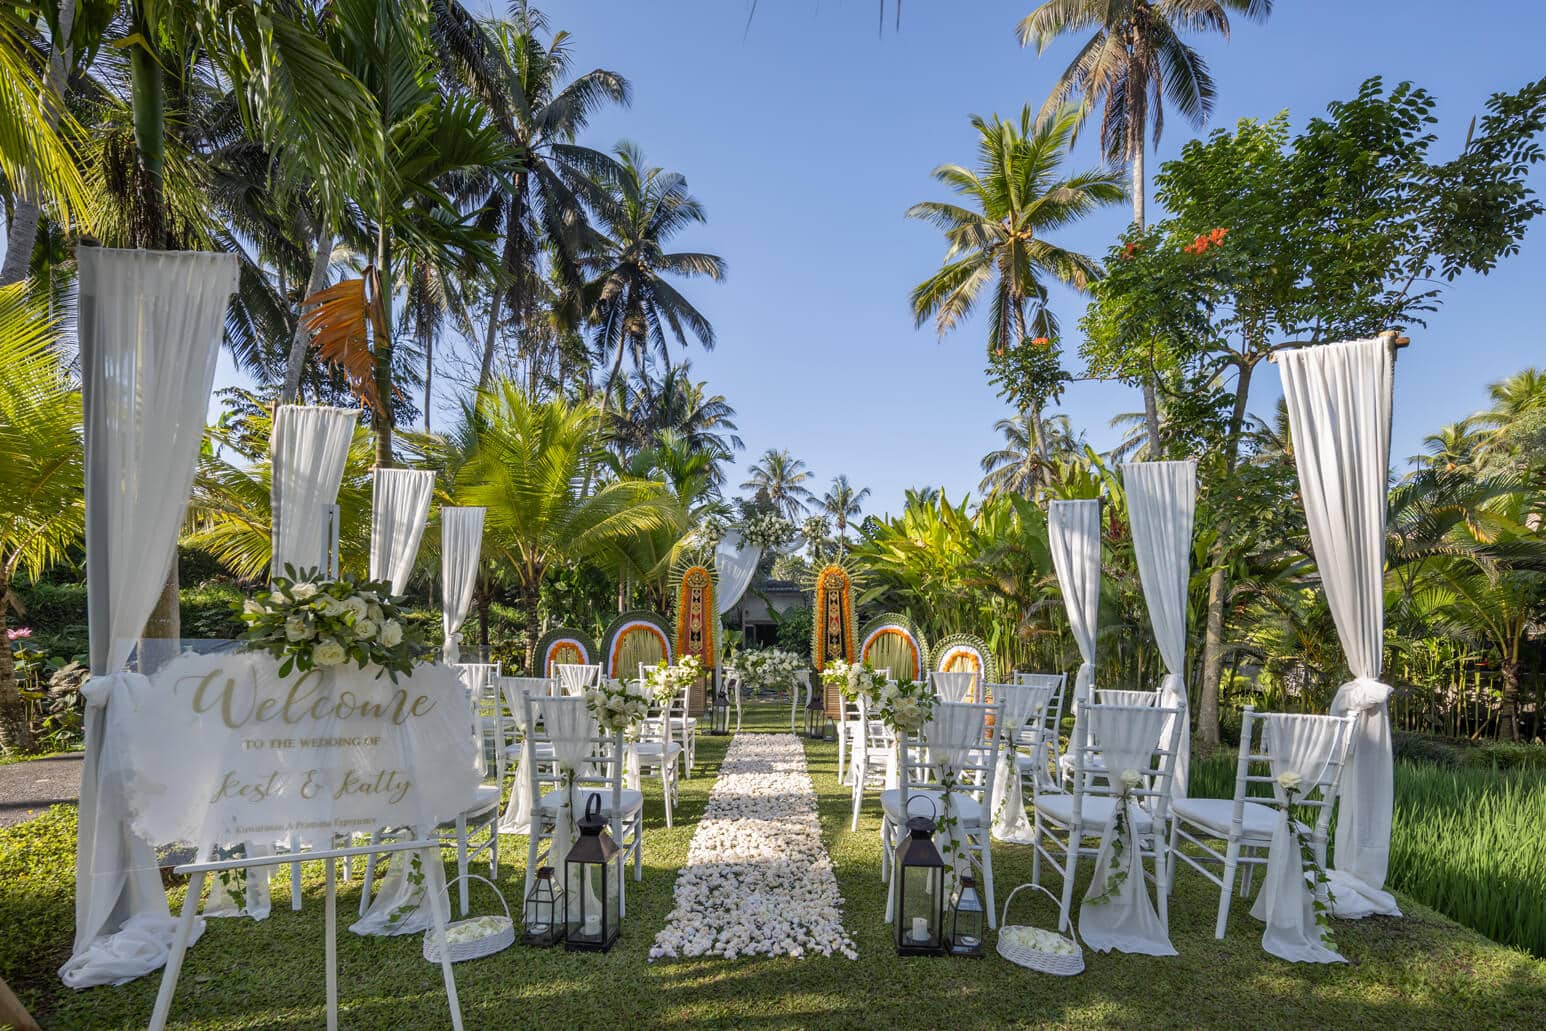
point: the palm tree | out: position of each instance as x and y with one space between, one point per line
538 467
1016 196
642 408
1132 64
538 210
780 477
1452 448
42 511
1018 467
843 504
630 300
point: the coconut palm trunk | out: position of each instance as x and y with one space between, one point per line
300 341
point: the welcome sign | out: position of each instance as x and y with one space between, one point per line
220 748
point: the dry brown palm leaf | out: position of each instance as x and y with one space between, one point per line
345 323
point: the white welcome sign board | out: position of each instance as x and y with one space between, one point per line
219 749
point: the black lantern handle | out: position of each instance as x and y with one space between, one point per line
927 798
593 806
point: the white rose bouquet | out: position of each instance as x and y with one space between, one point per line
667 681
852 680
766 530
769 669
617 704
905 705
310 623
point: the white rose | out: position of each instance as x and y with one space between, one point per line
303 591
278 598
328 653
1289 780
252 608
1132 778
355 607
329 606
375 613
391 633
365 629
297 630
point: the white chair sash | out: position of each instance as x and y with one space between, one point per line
1301 745
953 687
954 730
516 818
1126 920
1021 702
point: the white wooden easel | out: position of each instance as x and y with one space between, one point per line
199 871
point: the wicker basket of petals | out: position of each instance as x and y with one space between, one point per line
474 937
1037 949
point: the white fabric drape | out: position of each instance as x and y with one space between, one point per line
1161 507
735 563
1022 703
309 449
573 679
572 728
150 326
1339 400
1125 921
953 731
952 687
461 549
1073 534
517 815
1301 745
1118 696
398 512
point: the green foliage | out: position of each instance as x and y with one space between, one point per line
795 625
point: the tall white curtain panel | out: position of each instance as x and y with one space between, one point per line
1161 508
1073 531
735 563
461 547
399 510
1339 400
150 325
309 448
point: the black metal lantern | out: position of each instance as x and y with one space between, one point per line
815 718
918 878
719 705
967 920
593 899
544 915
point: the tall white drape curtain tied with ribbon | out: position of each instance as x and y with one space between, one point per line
150 325
1073 533
1301 746
1126 919
1020 702
461 549
954 730
735 563
1161 508
309 448
1339 401
399 509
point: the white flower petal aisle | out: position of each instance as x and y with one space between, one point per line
758 880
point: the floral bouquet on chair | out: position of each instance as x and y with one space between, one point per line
852 680
667 681
309 623
905 705
618 705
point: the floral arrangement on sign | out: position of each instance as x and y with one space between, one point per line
767 530
618 704
1293 785
310 623
769 668
904 705
667 681
852 680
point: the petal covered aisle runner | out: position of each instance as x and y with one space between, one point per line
758 880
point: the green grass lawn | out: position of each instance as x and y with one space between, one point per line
1421 971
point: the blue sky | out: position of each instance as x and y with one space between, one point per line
809 136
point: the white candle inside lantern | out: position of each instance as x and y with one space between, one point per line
920 929
593 925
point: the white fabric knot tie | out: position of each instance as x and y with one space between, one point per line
1363 695
100 689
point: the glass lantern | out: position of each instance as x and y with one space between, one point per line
589 873
967 920
918 878
719 711
544 914
815 718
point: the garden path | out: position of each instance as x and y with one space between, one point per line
28 788
758 880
